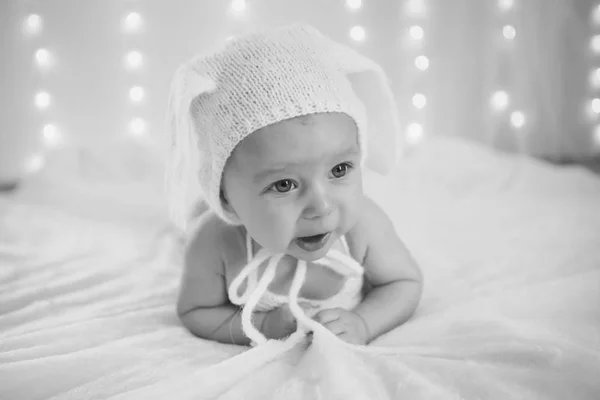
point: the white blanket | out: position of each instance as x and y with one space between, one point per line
510 250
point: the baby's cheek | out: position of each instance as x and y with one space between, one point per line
352 205
280 224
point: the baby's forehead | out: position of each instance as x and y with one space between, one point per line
306 130
302 138
308 120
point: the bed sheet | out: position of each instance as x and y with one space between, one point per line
510 249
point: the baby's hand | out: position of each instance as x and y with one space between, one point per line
279 323
345 324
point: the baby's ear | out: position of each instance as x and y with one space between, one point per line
371 86
226 204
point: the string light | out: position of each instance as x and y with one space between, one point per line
419 100
594 78
595 104
596 15
509 32
133 22
414 133
595 44
33 24
136 94
500 100
42 57
238 6
134 59
415 8
137 126
422 63
354 4
35 163
42 100
505 5
416 32
52 136
592 109
517 119
357 33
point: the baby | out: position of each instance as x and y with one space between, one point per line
269 138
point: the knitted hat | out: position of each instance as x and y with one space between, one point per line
217 100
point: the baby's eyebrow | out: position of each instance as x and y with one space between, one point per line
267 172
278 168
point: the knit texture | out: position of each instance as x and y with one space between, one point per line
219 99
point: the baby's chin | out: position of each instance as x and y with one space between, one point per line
308 257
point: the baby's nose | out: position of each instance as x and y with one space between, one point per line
320 204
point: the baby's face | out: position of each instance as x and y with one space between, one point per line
296 185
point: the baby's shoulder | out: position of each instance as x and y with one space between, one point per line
373 216
370 222
215 240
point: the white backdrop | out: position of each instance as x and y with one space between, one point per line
537 56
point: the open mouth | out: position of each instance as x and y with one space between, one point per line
313 243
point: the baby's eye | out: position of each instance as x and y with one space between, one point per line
340 170
283 186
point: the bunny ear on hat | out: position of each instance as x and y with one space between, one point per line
183 158
370 84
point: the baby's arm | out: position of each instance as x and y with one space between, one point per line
396 278
203 305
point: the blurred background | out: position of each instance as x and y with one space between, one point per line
85 83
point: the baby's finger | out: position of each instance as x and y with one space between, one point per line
327 316
335 327
306 306
347 337
286 314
